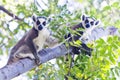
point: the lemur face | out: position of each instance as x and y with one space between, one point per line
88 22
39 22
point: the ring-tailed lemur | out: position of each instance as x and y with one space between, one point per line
33 41
87 24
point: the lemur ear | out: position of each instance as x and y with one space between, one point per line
34 18
49 19
97 22
83 17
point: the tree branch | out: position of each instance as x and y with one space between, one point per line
10 71
10 14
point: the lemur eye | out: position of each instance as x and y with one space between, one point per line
92 23
86 21
44 23
38 22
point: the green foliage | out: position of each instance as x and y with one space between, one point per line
102 65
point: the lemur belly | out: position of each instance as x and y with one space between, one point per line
39 42
41 39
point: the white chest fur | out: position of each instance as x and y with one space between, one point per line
40 40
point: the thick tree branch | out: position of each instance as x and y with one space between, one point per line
10 14
10 71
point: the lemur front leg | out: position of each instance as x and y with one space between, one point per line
51 41
33 49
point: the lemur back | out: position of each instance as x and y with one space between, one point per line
32 42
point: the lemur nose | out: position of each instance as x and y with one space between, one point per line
87 25
40 27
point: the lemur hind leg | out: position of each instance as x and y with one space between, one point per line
22 55
24 52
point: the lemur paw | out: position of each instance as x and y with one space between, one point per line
37 61
43 51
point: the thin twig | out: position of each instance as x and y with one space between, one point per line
10 14
38 4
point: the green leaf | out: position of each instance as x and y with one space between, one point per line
115 4
119 64
4 1
112 59
117 72
106 8
109 40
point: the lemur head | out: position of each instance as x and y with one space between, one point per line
88 22
39 22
